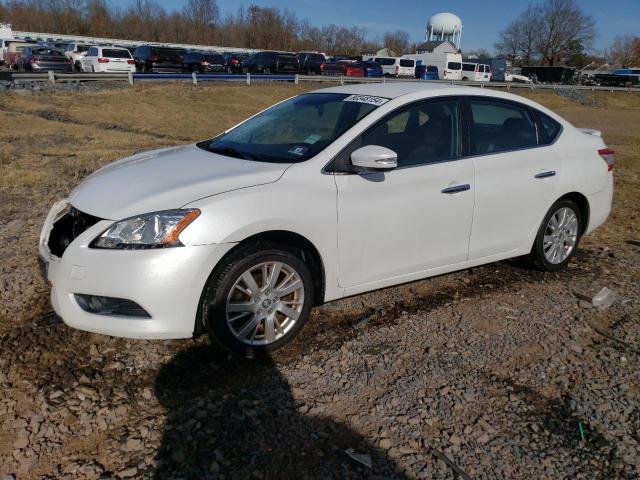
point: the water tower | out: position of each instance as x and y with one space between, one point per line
445 26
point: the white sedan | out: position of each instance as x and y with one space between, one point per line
327 194
107 60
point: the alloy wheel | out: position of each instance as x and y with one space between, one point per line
560 236
264 303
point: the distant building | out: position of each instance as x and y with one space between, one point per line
386 52
5 31
436 46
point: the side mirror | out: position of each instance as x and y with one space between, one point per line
374 157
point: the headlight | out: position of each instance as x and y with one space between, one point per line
152 230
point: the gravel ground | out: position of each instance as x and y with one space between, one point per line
500 372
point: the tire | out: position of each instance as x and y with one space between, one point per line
235 331
570 237
267 71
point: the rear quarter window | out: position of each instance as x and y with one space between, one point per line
550 129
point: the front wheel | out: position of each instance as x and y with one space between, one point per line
258 299
558 236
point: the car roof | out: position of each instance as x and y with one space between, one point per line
417 90
393 90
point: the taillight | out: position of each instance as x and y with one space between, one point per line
204 62
609 156
234 61
32 60
397 69
322 67
131 61
153 59
103 60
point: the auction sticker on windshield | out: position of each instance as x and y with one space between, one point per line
371 100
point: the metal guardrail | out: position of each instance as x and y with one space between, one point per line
195 78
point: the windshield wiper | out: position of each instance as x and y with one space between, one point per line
232 152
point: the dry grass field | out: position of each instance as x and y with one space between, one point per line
500 368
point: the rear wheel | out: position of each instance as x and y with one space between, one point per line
259 299
267 71
558 237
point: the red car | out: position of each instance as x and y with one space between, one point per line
13 54
346 66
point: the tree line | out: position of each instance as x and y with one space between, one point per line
559 32
199 22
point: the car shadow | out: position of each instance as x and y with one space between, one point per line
233 418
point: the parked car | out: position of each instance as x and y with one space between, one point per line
427 72
348 67
44 59
108 60
75 52
203 62
272 62
233 62
372 69
13 53
311 62
150 58
476 72
328 194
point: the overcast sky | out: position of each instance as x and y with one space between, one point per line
481 19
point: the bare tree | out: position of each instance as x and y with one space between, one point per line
564 26
397 41
201 17
520 40
625 50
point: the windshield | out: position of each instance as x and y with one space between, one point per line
296 129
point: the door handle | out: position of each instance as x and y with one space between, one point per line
456 188
550 173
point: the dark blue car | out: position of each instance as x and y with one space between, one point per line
372 69
427 72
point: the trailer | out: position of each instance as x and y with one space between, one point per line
500 68
550 74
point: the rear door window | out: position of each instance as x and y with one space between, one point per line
454 65
115 53
214 59
500 126
406 63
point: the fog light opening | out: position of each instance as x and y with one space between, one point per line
110 306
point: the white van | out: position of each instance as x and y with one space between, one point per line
395 66
449 64
476 72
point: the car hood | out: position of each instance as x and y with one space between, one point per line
165 179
